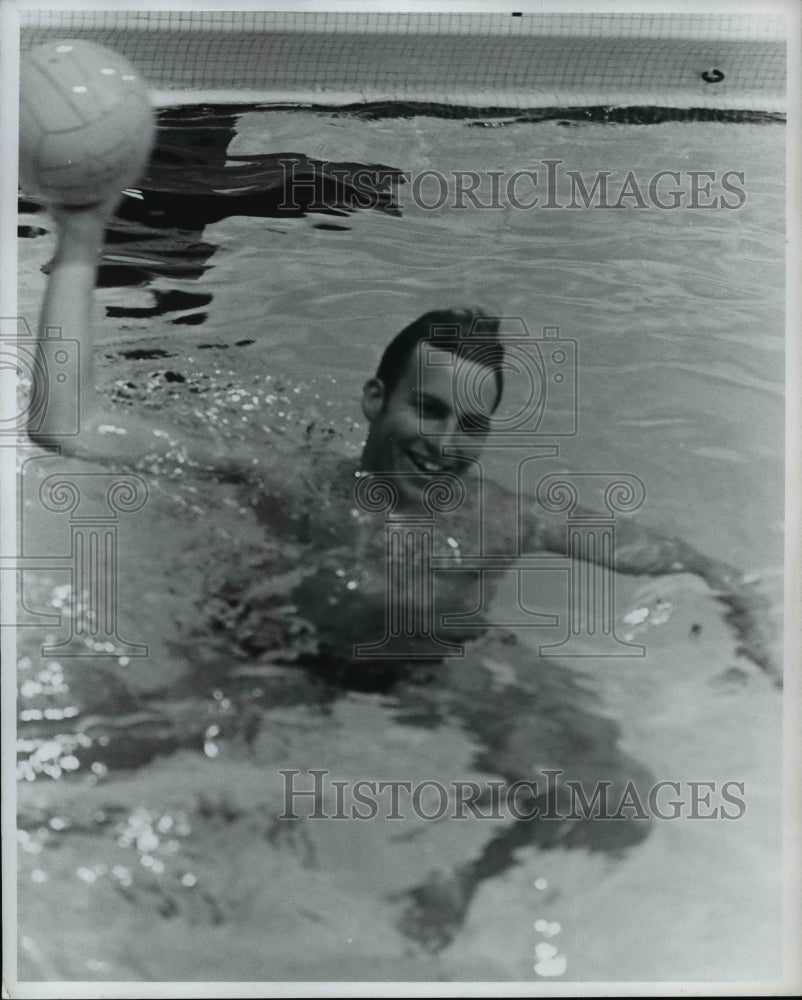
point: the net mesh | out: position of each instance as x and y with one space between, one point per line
526 60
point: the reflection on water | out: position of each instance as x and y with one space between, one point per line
150 792
192 183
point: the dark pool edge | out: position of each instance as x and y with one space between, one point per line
491 116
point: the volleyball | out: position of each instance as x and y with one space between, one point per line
86 123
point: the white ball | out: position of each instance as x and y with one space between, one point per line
86 123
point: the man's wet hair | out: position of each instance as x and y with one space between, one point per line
469 333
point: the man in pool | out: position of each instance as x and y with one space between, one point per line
412 428
539 720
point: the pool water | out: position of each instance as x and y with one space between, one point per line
150 787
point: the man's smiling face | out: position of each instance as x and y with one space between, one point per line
416 427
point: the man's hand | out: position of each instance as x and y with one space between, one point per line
100 210
749 612
80 230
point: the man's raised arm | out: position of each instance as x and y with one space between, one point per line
105 435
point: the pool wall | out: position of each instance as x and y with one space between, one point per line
503 59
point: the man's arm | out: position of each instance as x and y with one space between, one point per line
642 550
106 435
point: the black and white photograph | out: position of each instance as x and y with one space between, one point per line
400 547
